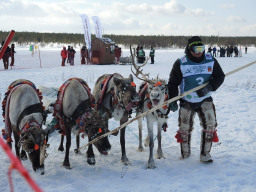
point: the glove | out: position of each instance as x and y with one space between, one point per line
173 106
204 91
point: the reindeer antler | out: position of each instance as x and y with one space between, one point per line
138 71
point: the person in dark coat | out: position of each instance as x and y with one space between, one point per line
83 55
188 72
214 51
118 53
72 53
12 54
6 56
245 50
152 55
68 60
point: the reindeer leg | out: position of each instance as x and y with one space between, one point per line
77 144
90 156
66 163
61 148
140 148
159 154
124 158
151 164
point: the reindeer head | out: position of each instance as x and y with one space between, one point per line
126 92
95 126
157 92
33 141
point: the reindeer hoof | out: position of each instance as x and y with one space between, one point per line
125 160
151 166
60 149
140 149
91 161
66 166
77 151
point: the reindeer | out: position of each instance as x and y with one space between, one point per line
115 96
24 116
74 112
152 92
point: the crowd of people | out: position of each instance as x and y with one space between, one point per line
9 53
140 54
69 55
228 51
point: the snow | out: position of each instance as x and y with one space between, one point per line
234 166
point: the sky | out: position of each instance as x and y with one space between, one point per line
132 17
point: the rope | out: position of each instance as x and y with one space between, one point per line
16 164
160 106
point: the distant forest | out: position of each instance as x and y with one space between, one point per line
126 40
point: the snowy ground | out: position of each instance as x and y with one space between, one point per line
234 167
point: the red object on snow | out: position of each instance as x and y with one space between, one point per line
16 164
6 43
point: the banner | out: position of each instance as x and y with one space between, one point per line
98 28
87 30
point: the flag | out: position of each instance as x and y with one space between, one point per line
87 30
98 28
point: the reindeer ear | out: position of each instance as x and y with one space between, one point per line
131 77
117 81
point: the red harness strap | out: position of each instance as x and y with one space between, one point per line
7 132
103 89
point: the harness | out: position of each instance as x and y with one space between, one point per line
146 98
115 96
83 109
7 132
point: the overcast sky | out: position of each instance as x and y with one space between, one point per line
132 17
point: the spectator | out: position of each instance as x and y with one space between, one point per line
236 51
231 50
68 60
228 51
214 51
72 53
152 55
83 55
118 52
137 52
6 56
141 55
12 54
64 55
245 50
209 50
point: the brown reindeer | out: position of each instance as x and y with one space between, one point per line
115 96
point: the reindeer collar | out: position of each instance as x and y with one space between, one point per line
29 125
157 113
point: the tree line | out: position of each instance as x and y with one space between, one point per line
126 40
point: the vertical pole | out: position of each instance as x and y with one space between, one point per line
39 57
